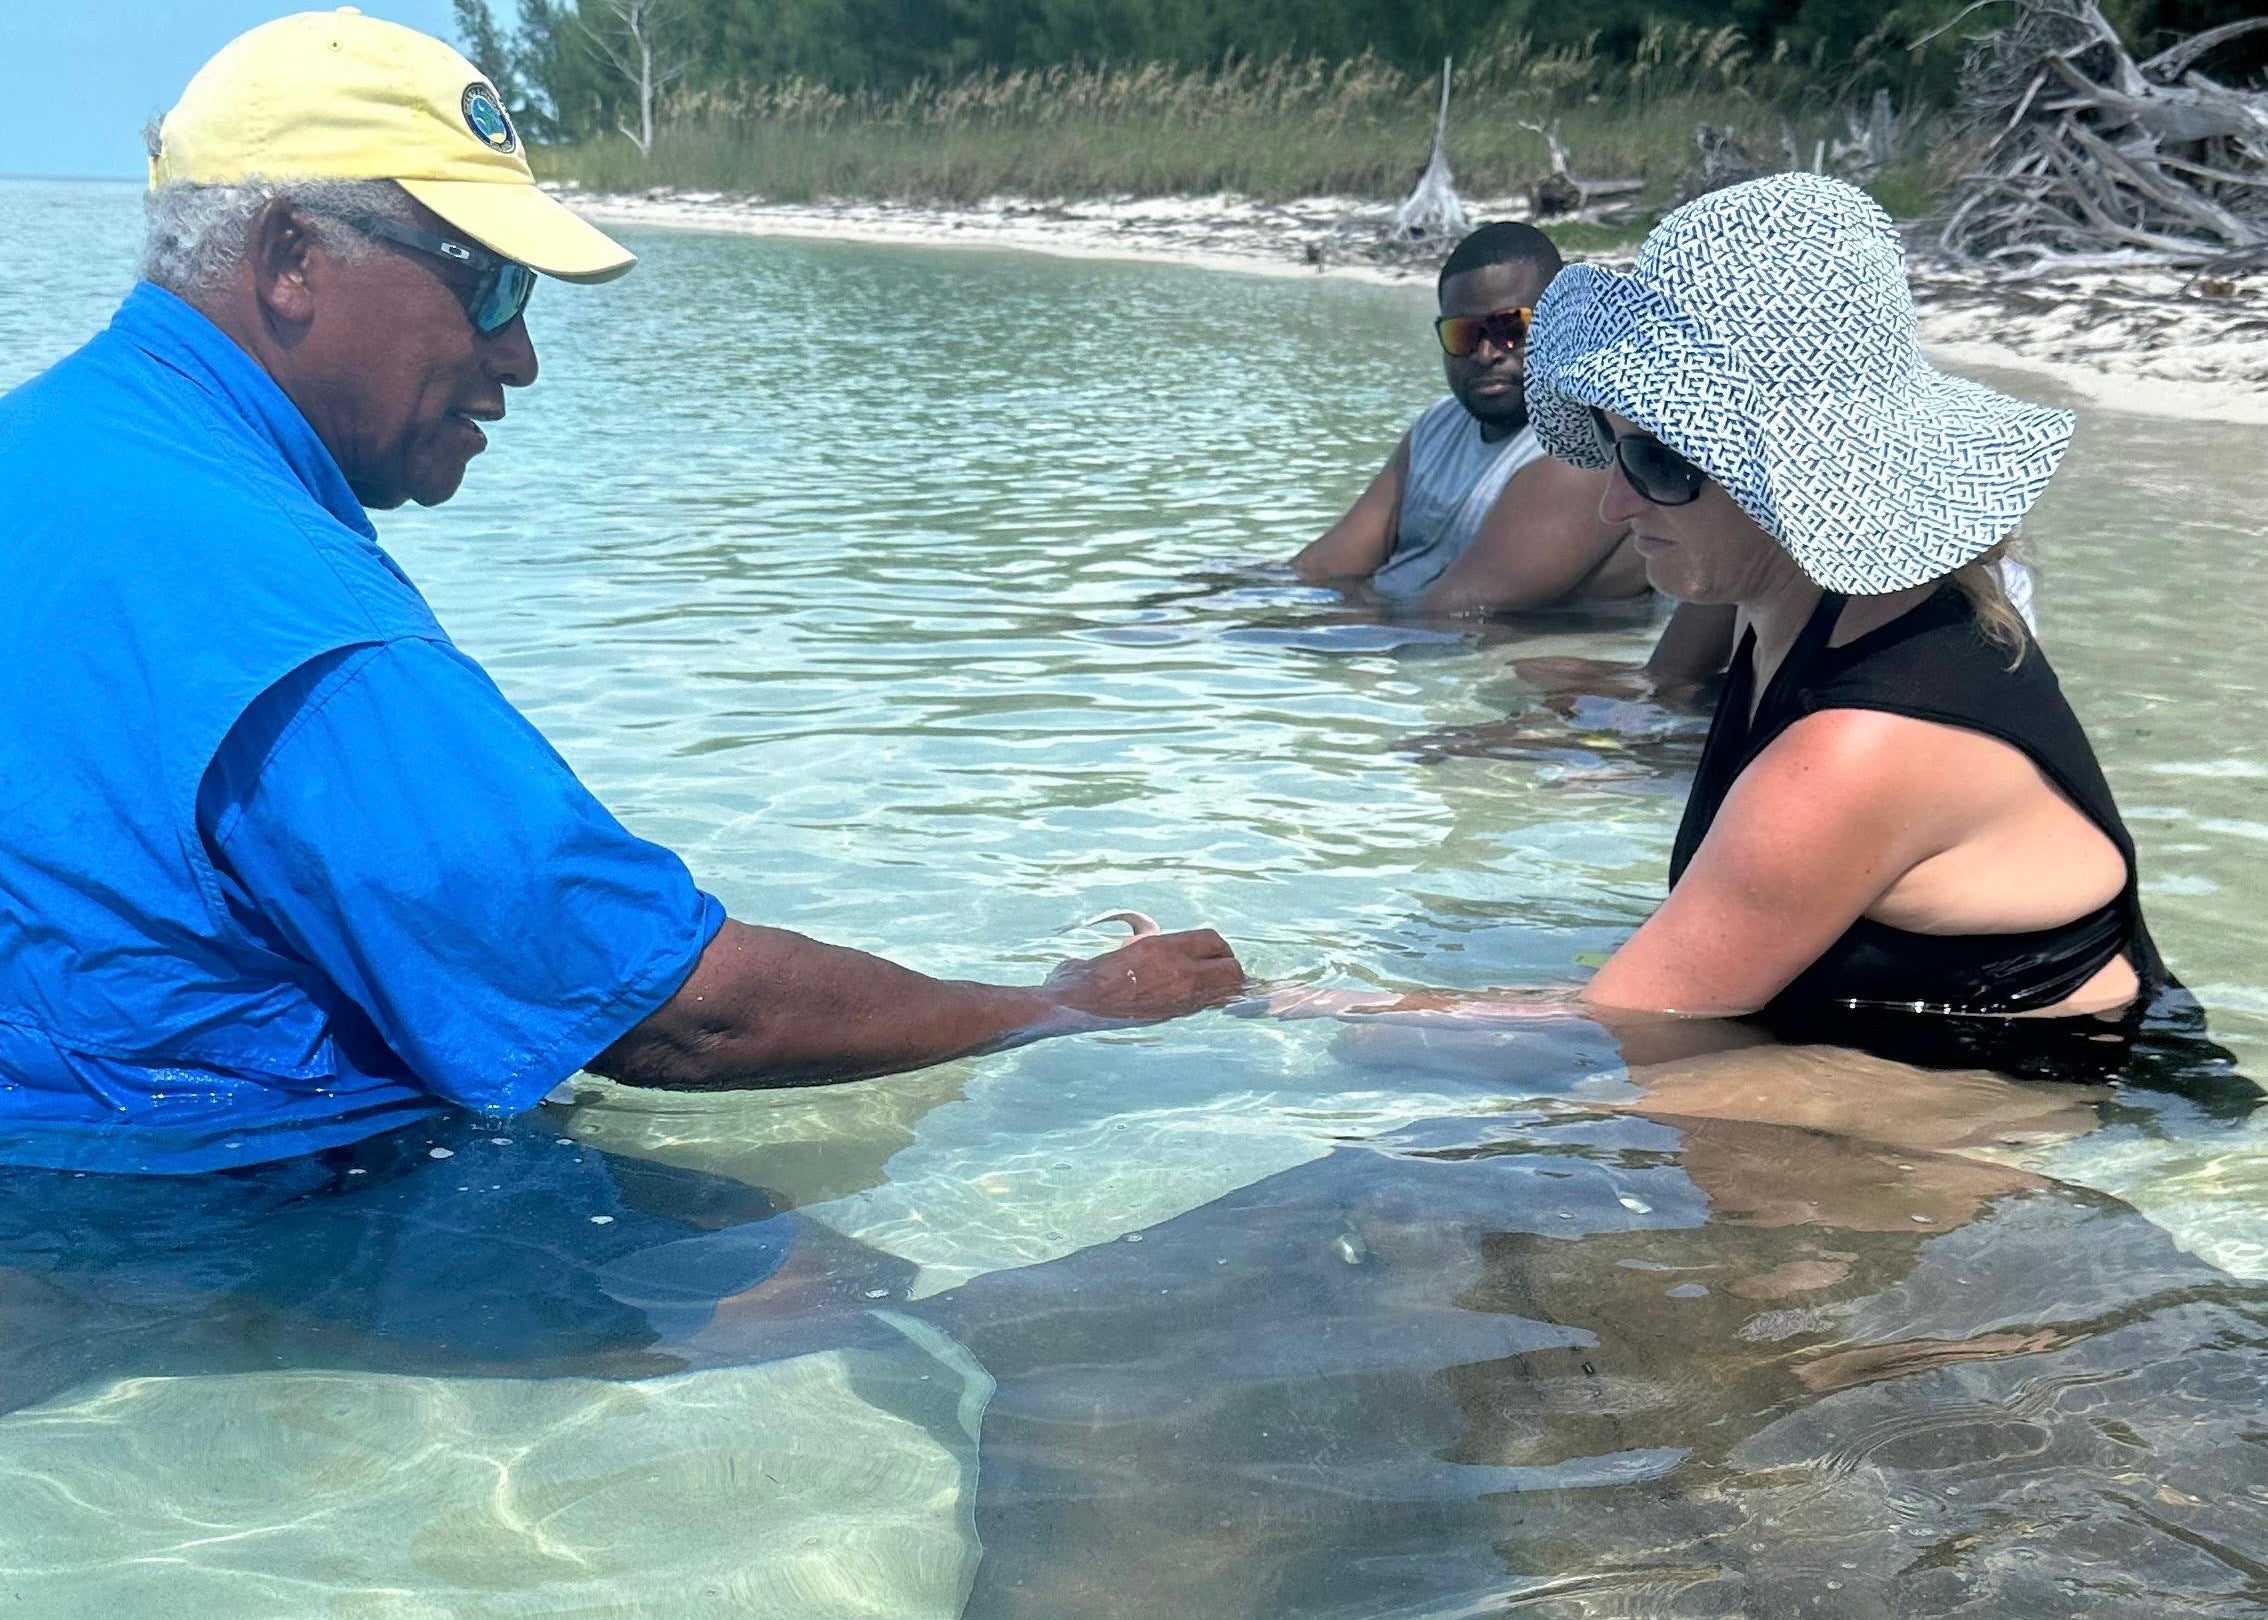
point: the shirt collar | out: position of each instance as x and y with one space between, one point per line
174 334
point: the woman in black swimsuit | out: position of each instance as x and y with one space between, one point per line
1896 808
1899 837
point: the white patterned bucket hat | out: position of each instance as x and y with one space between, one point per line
1766 333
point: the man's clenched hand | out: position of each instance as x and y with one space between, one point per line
1150 978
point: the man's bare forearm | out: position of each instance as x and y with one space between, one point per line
1358 544
766 1007
1343 553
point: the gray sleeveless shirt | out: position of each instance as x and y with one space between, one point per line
1454 478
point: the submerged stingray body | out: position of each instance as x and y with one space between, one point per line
1710 1369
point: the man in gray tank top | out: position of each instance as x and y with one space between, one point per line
1469 515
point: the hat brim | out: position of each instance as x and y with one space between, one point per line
1868 495
526 224
1925 480
1590 348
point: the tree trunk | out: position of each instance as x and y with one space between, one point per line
645 94
1432 211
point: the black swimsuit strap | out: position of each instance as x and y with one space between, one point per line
1817 631
1740 715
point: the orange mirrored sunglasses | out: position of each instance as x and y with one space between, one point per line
1460 335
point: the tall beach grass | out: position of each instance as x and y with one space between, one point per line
1271 130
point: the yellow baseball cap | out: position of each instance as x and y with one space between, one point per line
335 95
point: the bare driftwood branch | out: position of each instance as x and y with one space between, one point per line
2089 158
1873 143
2170 64
1563 194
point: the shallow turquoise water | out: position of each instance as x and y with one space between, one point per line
909 595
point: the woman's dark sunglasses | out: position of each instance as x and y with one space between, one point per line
1659 474
1460 335
500 286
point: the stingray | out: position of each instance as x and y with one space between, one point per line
1248 1415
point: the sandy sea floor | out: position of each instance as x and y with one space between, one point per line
2159 342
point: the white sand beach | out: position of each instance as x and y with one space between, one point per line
2158 342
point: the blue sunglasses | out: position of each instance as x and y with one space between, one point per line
500 288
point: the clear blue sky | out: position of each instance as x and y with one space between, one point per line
78 77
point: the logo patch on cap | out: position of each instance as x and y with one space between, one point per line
486 118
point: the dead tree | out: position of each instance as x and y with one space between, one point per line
2091 160
1433 210
1873 143
1725 159
637 41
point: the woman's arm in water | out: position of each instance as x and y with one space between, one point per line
1358 544
1644 1038
765 1007
1812 834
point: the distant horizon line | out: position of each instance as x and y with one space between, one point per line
33 174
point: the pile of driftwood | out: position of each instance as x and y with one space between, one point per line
1564 195
1875 137
2087 159
2093 160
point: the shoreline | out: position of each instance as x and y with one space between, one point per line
2144 341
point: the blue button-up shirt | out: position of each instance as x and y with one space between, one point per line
280 867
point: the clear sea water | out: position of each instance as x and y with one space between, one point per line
917 598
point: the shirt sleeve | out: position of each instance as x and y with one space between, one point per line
386 815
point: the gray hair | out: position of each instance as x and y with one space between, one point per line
197 234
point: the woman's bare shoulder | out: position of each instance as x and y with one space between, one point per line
1916 785
1876 750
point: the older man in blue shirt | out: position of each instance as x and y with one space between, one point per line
280 867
